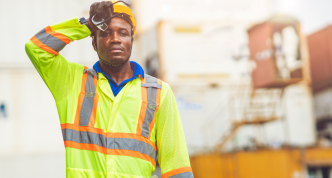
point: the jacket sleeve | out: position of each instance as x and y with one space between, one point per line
172 149
43 50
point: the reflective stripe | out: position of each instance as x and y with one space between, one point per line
57 35
81 97
144 105
108 134
98 142
183 175
152 106
184 172
89 98
49 40
85 146
41 45
155 85
108 142
158 104
95 104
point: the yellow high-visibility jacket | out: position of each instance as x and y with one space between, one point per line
107 136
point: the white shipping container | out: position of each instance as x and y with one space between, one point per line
30 132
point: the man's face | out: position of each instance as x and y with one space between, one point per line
114 44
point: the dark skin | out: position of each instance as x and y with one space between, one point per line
114 49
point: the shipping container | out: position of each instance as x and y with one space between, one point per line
323 115
207 66
30 132
275 46
320 51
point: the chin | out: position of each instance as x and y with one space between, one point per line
115 62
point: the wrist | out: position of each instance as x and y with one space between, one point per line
88 23
93 28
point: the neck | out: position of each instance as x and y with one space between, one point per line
118 74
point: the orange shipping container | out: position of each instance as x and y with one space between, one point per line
275 47
320 51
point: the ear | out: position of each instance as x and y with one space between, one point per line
94 45
132 40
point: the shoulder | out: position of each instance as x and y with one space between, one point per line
151 79
166 91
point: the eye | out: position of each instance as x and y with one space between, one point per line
123 33
106 34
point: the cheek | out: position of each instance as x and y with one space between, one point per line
100 47
128 46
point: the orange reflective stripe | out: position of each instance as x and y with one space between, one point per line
158 104
176 171
158 92
82 128
85 146
57 35
81 97
133 154
108 134
95 104
42 46
144 105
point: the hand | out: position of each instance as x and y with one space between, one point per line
103 9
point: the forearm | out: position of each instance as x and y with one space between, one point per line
43 50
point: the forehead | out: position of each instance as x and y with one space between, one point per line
118 23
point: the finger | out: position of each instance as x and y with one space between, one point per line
109 7
105 9
93 8
100 9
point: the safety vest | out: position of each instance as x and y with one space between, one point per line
82 135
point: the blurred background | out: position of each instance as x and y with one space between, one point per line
252 80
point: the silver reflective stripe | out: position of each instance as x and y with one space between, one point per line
183 175
87 105
83 137
155 85
109 142
151 93
50 41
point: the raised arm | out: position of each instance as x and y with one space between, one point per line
43 50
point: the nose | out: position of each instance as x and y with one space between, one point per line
115 38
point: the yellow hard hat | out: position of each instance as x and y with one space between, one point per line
122 8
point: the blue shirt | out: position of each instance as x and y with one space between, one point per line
138 70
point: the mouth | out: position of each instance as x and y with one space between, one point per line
116 49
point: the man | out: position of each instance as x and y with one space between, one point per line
114 118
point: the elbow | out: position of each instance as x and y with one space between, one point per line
27 46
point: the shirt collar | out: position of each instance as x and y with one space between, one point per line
138 70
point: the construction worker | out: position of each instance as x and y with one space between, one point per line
115 119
